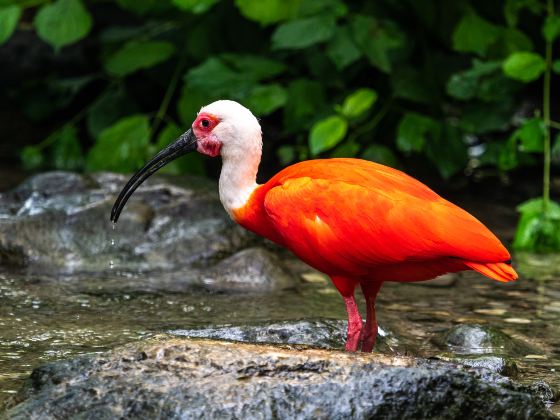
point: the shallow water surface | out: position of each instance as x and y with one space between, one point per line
45 318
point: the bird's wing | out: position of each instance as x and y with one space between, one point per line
365 224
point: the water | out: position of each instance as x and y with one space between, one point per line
44 319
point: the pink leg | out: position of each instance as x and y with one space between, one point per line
346 288
370 290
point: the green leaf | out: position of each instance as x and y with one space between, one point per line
267 12
66 152
413 131
377 39
9 18
341 49
122 146
327 133
510 40
108 108
63 22
538 230
474 34
191 163
31 158
265 99
195 6
137 6
358 102
255 67
556 66
302 33
551 28
380 154
524 66
531 135
137 55
464 85
232 75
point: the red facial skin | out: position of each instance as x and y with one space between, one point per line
207 142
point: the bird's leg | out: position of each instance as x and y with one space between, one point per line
346 288
370 290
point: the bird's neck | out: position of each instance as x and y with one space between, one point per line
238 178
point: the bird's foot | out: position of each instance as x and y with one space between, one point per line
354 336
368 342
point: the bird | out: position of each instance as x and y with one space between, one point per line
361 223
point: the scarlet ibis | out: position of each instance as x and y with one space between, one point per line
359 222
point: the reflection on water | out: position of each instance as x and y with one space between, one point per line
44 319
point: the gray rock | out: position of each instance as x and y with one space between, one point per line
185 378
480 339
500 365
59 221
323 333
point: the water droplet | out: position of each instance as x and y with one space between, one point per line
114 225
112 241
111 264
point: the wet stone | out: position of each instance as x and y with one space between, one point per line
465 339
321 333
185 378
59 222
501 365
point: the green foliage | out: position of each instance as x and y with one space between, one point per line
474 34
358 103
271 11
303 33
524 66
122 146
385 80
134 56
327 133
63 22
538 230
9 17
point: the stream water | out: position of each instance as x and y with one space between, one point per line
44 318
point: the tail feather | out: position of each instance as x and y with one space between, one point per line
498 271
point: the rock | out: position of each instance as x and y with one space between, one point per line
500 365
253 269
323 333
185 378
59 221
479 339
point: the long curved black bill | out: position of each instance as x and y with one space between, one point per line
183 145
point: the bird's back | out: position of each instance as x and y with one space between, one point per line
355 217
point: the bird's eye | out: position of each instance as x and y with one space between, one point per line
205 123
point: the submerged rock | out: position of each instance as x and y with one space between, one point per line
185 378
501 365
59 221
479 339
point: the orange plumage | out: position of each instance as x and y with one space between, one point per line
355 218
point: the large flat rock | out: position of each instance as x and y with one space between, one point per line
175 378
